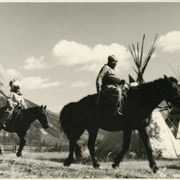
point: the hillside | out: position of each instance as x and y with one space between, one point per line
37 136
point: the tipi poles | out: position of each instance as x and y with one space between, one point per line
137 56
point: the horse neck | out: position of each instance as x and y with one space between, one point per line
2 111
31 114
153 93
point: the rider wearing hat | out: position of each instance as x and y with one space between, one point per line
108 83
14 101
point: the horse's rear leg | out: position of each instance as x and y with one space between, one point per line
125 147
75 135
147 144
91 146
21 145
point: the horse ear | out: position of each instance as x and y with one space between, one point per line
41 106
165 77
45 107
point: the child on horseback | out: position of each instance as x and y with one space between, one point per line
14 101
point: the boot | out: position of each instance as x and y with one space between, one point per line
3 123
6 117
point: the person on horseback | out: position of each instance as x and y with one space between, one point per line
14 101
108 84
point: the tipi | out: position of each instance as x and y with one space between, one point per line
174 115
164 143
174 123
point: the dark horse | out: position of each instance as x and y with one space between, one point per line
22 122
83 115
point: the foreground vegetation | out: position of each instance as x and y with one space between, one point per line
50 165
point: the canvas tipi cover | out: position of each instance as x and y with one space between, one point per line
165 141
174 122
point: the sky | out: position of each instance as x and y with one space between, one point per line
56 49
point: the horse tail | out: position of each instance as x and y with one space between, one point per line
66 119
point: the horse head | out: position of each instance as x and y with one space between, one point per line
173 91
42 117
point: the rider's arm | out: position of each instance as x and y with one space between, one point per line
23 103
115 80
19 100
100 77
10 102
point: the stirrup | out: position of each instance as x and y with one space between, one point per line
4 125
118 112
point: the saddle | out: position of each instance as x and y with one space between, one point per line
110 104
14 116
16 112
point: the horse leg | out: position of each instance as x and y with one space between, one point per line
72 143
78 152
21 145
91 146
125 147
147 144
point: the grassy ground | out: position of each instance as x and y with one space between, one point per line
50 165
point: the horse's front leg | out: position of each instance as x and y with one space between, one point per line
125 147
21 145
91 146
147 144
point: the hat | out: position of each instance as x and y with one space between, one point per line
112 57
14 83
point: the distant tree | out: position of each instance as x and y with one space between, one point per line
43 143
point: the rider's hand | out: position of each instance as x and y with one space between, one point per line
123 82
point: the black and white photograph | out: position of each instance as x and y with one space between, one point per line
89 89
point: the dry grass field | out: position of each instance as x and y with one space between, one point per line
50 165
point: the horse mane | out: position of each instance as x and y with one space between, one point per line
33 107
148 86
89 99
158 82
154 83
29 109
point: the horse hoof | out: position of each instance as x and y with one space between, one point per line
155 169
67 162
100 167
18 154
114 166
96 165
